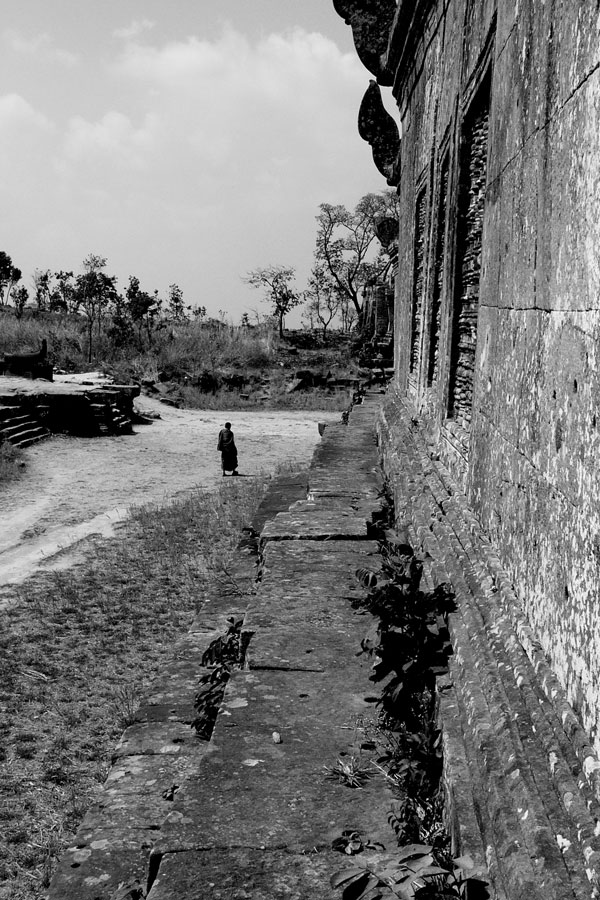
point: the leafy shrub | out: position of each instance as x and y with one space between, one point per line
410 645
221 657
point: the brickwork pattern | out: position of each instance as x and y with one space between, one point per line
532 774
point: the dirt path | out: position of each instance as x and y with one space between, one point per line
75 487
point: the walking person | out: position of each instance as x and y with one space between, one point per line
226 444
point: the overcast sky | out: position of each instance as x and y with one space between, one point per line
187 141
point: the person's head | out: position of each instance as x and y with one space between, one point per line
227 424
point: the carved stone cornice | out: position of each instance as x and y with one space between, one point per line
386 230
378 128
405 32
371 22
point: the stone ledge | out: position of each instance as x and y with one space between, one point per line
238 873
279 791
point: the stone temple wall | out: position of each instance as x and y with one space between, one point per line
498 290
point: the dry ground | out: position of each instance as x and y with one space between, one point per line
77 486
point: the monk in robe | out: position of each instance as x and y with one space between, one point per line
226 444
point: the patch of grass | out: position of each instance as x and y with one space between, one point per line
126 702
78 652
12 462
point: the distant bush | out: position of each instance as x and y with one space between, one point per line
215 365
334 401
190 346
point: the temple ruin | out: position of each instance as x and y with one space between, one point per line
497 315
493 152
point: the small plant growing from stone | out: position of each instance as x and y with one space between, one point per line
409 644
350 771
412 874
126 702
222 656
352 842
410 640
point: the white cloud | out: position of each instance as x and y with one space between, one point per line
40 46
137 27
113 137
209 160
234 105
26 136
17 113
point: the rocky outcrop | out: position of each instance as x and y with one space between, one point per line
28 365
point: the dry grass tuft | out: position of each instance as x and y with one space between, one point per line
11 462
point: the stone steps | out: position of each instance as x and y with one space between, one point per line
537 814
20 427
108 418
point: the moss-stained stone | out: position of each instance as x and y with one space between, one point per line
155 738
94 871
280 791
240 873
302 648
507 725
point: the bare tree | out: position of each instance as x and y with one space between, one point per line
276 282
344 243
9 277
20 298
41 279
95 291
324 300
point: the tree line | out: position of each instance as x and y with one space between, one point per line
345 262
130 317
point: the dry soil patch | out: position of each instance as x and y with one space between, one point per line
75 487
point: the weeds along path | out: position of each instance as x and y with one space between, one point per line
75 487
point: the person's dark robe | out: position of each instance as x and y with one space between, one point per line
226 444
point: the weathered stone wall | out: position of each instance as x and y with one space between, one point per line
439 263
509 395
418 280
